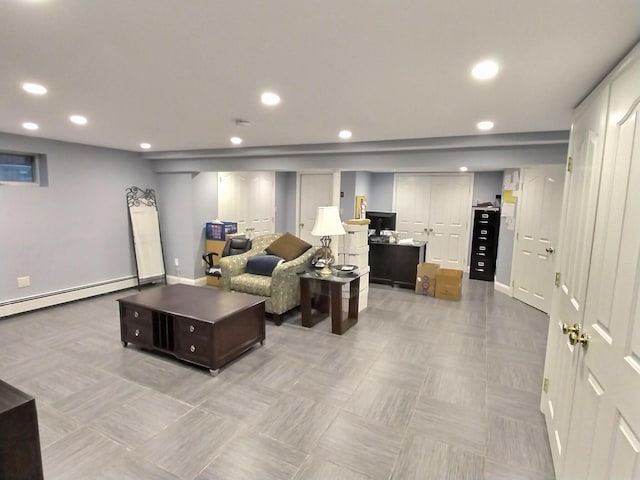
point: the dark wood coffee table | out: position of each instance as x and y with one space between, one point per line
205 326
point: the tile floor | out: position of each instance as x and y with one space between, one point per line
420 388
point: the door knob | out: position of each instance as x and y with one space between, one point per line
568 329
550 250
582 338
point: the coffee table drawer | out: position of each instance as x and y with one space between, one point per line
188 328
194 349
131 313
139 332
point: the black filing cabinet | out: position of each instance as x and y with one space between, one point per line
484 246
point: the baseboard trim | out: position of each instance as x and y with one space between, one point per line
50 299
197 282
502 288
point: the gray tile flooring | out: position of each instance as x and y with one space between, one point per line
420 388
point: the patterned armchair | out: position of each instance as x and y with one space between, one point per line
281 290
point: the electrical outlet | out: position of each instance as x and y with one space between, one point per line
24 282
176 262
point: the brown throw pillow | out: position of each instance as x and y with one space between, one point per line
288 247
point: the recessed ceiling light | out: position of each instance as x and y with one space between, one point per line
485 125
78 119
30 126
270 98
34 88
145 145
236 140
345 134
463 169
485 70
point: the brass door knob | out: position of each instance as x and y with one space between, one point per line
582 339
568 329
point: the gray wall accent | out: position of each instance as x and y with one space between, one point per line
280 220
205 209
486 159
290 202
75 231
177 222
505 247
348 194
381 192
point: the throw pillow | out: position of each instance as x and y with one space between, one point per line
263 264
288 247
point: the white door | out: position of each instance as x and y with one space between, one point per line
316 190
412 204
537 235
435 209
594 427
261 201
247 198
573 252
448 227
605 422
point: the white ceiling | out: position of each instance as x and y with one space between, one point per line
175 73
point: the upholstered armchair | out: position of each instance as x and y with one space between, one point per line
281 289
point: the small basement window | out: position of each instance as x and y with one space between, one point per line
21 168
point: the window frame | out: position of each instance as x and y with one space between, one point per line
35 169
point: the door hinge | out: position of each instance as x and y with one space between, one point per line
557 282
545 385
570 164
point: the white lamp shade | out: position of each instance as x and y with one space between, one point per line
328 222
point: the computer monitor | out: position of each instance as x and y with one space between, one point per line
382 221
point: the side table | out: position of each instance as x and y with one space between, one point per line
320 295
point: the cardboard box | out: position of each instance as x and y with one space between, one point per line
448 284
426 278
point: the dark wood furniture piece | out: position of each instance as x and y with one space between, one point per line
484 244
320 295
205 326
395 264
20 457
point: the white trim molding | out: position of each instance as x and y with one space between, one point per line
197 282
502 288
27 304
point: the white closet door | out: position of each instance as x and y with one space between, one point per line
412 203
247 198
448 221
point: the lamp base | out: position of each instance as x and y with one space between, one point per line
325 271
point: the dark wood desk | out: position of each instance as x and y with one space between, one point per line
320 295
205 326
395 264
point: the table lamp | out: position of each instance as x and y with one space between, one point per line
328 223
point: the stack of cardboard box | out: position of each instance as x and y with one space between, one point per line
438 282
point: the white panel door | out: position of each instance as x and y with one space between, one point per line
412 204
605 422
247 198
537 235
592 408
261 201
573 257
316 190
448 223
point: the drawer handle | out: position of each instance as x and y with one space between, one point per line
481 264
136 314
192 328
137 332
193 348
483 232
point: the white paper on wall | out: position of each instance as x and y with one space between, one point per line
508 210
